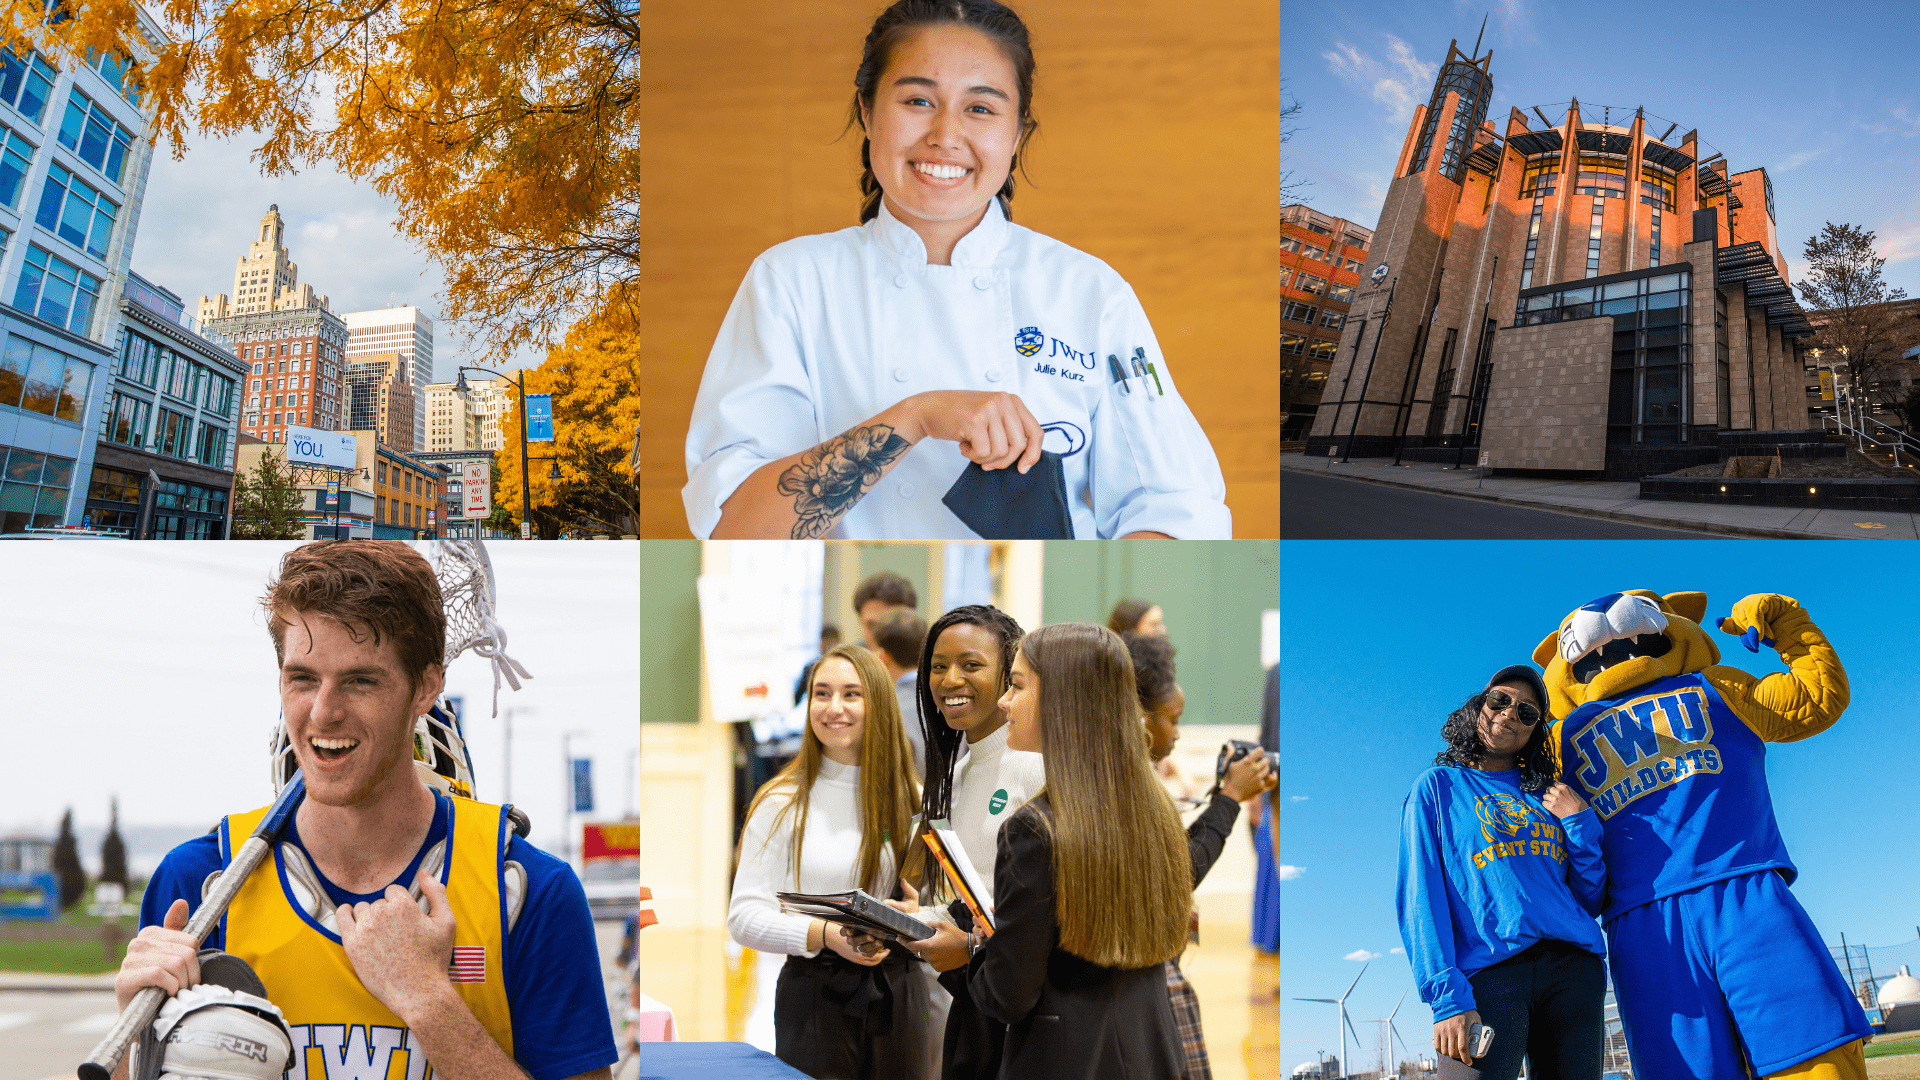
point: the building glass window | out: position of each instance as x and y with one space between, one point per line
1653 244
1323 350
172 433
1332 320
56 290
1533 242
38 379
114 486
1767 181
15 159
33 489
1657 186
1289 243
1293 344
26 83
1603 175
1475 88
127 420
1593 237
1541 175
1311 285
99 140
1298 312
211 447
72 210
1354 240
1340 293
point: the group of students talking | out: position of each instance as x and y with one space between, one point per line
1037 757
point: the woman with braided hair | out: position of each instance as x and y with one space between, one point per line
937 336
974 783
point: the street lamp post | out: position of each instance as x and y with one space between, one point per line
526 481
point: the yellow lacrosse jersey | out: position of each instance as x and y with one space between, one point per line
340 1030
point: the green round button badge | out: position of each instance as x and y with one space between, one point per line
998 802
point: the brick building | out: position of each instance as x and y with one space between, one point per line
1320 262
1887 387
1586 297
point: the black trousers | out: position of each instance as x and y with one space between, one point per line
1545 1004
836 1020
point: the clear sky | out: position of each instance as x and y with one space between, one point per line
145 671
1822 97
1379 641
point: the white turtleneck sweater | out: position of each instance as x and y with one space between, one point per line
989 784
829 861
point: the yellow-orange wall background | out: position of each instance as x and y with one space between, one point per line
1158 151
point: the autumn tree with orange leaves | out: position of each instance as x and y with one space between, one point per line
507 133
594 377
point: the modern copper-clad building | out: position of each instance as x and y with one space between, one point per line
1583 297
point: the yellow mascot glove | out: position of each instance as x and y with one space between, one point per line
1753 617
1785 706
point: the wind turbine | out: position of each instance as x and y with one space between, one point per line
1391 1033
1346 1025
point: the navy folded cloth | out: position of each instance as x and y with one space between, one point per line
1006 504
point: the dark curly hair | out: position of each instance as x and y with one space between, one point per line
1152 667
943 742
1465 748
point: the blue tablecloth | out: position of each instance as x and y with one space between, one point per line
712 1061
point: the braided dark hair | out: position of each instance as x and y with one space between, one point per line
995 20
1465 748
943 742
1153 670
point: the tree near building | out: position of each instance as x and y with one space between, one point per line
66 863
113 851
1852 306
594 377
507 132
267 505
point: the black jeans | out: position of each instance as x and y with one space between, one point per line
836 1019
1544 1003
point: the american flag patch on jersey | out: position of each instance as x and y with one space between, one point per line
469 964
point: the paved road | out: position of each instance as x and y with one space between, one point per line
1330 508
43 1036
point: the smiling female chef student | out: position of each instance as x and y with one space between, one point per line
859 372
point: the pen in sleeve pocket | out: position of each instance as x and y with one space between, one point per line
1140 354
1119 375
1140 369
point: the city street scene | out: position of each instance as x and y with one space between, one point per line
170 722
1537 290
237 304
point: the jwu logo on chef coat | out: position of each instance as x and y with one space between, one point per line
1029 340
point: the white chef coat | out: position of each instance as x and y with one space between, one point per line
829 330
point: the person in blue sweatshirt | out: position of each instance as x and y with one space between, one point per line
1501 878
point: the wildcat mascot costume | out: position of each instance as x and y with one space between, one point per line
1718 971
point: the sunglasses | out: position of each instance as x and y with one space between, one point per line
1499 701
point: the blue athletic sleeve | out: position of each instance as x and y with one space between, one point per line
561 1026
1586 869
1426 916
179 876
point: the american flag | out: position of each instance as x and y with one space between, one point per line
469 964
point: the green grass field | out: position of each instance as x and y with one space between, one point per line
72 957
1907 1042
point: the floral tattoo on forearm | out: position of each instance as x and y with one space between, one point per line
834 475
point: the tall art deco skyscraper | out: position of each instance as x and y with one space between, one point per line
1583 297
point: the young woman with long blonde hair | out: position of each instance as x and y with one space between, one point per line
1093 879
838 817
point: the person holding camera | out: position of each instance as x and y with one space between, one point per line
1501 880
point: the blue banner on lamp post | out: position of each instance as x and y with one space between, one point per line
539 418
582 785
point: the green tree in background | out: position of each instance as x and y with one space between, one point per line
113 851
66 864
267 505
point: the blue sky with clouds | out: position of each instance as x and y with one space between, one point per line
1380 640
200 213
1822 96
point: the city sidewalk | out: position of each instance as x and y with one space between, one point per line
49 981
1618 500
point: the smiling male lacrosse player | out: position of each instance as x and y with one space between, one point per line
377 923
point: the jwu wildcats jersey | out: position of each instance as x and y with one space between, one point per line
1680 784
340 1030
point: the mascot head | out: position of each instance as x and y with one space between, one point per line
1608 646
